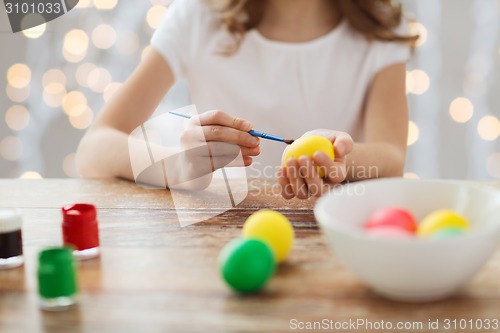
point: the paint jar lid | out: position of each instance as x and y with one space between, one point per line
10 220
79 226
79 213
56 273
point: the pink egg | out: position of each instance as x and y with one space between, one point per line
394 217
390 232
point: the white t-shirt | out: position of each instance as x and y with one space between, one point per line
284 89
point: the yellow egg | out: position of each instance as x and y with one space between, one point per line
274 229
439 220
308 145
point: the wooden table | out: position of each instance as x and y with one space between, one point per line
155 276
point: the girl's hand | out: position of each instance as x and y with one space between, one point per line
214 140
300 177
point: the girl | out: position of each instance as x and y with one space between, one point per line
330 67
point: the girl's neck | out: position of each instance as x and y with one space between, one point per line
296 21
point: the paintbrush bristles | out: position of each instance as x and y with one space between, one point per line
288 141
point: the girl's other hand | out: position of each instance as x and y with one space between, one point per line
300 177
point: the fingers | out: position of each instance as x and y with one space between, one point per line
216 149
295 179
342 144
284 184
218 126
335 171
250 151
221 118
301 178
194 138
247 160
342 141
225 135
230 135
310 174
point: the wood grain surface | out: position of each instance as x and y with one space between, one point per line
156 276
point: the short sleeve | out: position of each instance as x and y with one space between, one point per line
173 38
389 53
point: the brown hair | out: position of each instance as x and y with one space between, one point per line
375 19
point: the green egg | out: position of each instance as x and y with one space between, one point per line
246 264
448 232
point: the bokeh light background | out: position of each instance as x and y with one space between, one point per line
56 78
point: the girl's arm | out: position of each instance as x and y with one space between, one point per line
386 128
103 152
382 154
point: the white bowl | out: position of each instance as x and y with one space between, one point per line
411 269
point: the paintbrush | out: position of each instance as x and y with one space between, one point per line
251 132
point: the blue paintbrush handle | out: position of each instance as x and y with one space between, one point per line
180 115
266 136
